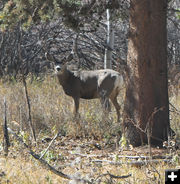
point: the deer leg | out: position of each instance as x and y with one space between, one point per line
105 107
104 98
76 107
104 90
76 116
116 105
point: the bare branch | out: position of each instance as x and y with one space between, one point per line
5 131
44 163
58 134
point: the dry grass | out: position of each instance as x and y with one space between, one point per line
175 114
20 170
52 112
52 109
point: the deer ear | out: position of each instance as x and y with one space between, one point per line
49 57
70 57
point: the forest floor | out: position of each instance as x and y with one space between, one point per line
87 159
88 153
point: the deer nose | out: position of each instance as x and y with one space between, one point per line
58 68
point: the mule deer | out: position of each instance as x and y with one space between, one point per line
102 84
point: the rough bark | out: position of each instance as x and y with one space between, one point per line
146 102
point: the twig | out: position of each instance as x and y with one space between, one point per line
174 10
145 157
127 157
113 176
177 111
50 145
134 163
29 109
144 131
86 155
5 131
45 164
148 129
118 177
25 87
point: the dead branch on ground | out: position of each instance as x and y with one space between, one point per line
44 163
6 143
133 163
55 171
58 134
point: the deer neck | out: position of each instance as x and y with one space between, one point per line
63 76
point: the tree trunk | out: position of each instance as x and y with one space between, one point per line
110 42
146 102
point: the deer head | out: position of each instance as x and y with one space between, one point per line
59 64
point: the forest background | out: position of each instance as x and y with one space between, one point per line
29 29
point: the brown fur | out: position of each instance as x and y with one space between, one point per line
103 84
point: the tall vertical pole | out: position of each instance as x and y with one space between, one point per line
110 42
